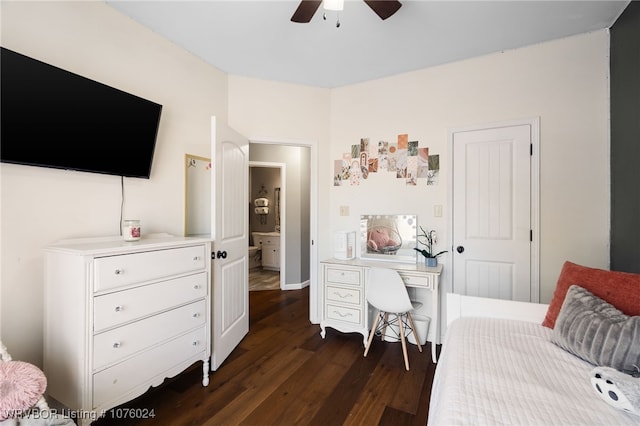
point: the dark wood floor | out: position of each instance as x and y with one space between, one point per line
284 373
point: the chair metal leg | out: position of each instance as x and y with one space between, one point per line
404 343
415 335
373 333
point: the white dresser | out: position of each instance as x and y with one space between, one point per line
345 307
122 316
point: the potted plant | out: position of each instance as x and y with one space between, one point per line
429 239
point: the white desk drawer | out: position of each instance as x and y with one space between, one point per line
116 308
343 275
114 382
424 281
341 313
121 342
121 270
343 295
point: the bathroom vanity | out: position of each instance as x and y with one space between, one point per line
269 244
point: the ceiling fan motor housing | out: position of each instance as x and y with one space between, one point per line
307 8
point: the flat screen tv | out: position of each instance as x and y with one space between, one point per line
51 117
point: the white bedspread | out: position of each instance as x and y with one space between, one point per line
505 372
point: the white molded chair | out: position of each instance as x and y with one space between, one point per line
386 292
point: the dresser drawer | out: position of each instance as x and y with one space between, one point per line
116 308
121 342
121 270
343 275
425 281
341 313
115 382
343 294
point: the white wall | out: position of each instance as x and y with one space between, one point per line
41 205
564 82
288 113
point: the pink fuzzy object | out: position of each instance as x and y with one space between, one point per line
379 238
21 386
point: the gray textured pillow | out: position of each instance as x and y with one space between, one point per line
597 332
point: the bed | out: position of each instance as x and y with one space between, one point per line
500 366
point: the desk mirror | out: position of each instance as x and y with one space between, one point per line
388 237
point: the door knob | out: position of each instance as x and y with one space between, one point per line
459 249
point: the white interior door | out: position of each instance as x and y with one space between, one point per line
230 241
492 224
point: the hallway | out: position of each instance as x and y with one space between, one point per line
262 279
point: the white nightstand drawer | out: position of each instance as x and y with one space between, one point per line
116 308
425 281
121 270
343 295
343 276
341 313
116 344
116 382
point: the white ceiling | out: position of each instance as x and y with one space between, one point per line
257 39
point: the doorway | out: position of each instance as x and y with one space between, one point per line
267 225
494 220
297 230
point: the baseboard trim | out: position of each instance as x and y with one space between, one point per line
296 286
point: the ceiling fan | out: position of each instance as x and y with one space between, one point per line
307 8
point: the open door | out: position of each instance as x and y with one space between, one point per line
230 298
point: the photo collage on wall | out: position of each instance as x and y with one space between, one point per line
403 159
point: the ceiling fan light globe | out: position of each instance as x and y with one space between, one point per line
333 5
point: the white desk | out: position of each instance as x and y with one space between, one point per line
344 305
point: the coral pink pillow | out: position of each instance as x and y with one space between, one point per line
620 289
21 386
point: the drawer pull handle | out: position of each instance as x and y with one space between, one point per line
195 343
119 271
348 314
346 296
197 287
196 315
196 258
116 345
119 308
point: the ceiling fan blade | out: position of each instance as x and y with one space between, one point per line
305 11
383 8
